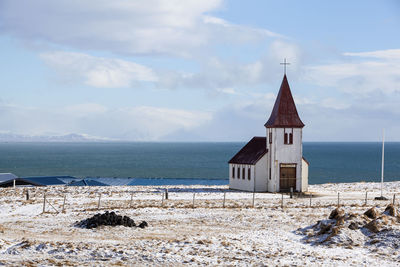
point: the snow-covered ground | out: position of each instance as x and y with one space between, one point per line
207 234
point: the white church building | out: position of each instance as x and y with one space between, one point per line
274 163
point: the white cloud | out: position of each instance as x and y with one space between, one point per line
333 103
98 71
86 108
329 119
169 117
216 73
389 54
228 91
139 123
126 27
376 71
178 28
236 33
326 120
280 49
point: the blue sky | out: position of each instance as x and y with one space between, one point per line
198 70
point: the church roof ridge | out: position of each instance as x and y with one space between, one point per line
284 114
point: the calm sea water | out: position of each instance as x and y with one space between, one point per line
329 162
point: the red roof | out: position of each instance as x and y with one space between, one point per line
251 152
284 113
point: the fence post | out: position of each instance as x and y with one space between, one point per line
223 204
162 199
291 192
166 193
366 197
27 194
63 206
310 199
194 194
98 203
130 204
44 202
338 199
282 202
254 196
14 183
394 199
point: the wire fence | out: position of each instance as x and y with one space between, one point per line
59 201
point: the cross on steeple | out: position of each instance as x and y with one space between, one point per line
284 65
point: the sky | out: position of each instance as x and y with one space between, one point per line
198 70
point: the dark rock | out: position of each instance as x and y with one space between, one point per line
336 213
390 210
324 228
373 226
371 213
143 224
353 226
108 218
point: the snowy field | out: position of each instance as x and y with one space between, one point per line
204 231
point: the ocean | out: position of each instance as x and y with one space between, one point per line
190 163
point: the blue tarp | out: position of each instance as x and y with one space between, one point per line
157 181
48 180
176 181
86 182
109 181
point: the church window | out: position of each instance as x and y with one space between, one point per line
233 171
270 137
249 173
238 173
270 173
288 138
243 172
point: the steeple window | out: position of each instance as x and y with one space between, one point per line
288 137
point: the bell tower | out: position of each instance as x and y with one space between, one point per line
284 143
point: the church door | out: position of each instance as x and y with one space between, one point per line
287 177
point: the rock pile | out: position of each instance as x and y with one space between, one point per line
349 229
371 213
109 218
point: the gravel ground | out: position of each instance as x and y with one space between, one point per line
207 234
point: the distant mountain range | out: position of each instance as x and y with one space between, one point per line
10 137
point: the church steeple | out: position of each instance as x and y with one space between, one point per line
284 113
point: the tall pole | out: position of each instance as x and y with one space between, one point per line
383 159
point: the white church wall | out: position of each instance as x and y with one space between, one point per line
261 174
240 183
284 153
304 176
